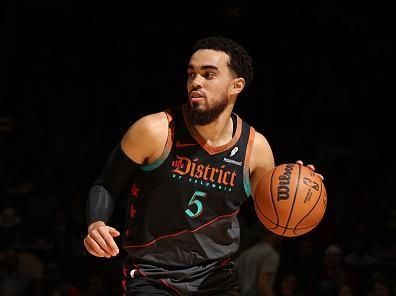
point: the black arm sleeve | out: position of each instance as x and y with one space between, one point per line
100 205
118 170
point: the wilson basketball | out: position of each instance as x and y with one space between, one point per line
290 200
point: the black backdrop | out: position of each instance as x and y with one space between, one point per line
75 76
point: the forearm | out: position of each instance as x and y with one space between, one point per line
100 205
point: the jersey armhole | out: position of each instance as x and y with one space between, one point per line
167 148
246 167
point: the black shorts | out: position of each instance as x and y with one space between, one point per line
219 280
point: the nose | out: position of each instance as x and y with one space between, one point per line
197 81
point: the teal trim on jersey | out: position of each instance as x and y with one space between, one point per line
246 184
153 166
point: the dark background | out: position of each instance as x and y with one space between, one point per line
76 75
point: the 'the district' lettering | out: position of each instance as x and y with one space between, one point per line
184 166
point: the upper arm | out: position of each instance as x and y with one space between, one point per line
261 160
145 140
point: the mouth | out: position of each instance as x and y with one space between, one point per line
196 96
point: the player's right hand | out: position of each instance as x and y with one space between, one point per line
99 240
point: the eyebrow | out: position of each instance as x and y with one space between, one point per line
204 67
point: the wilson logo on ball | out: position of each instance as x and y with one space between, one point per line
284 183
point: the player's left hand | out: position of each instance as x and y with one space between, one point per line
310 166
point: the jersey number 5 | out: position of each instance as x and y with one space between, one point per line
197 203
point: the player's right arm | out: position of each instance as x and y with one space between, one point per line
142 143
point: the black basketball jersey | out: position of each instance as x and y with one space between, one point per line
182 208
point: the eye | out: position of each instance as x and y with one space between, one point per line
191 75
210 75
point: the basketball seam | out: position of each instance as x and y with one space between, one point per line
280 226
321 190
294 199
291 228
305 229
302 228
272 199
258 207
276 225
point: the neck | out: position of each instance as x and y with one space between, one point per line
218 132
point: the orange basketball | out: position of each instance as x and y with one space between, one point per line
290 200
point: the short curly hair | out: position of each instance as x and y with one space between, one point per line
240 60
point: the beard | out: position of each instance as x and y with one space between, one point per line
208 115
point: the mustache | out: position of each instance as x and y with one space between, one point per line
197 93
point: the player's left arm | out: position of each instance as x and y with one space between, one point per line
261 160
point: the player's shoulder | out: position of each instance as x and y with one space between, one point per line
152 121
260 141
152 126
262 155
146 137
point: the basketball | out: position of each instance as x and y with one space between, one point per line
290 200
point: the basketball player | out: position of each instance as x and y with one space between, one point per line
189 169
